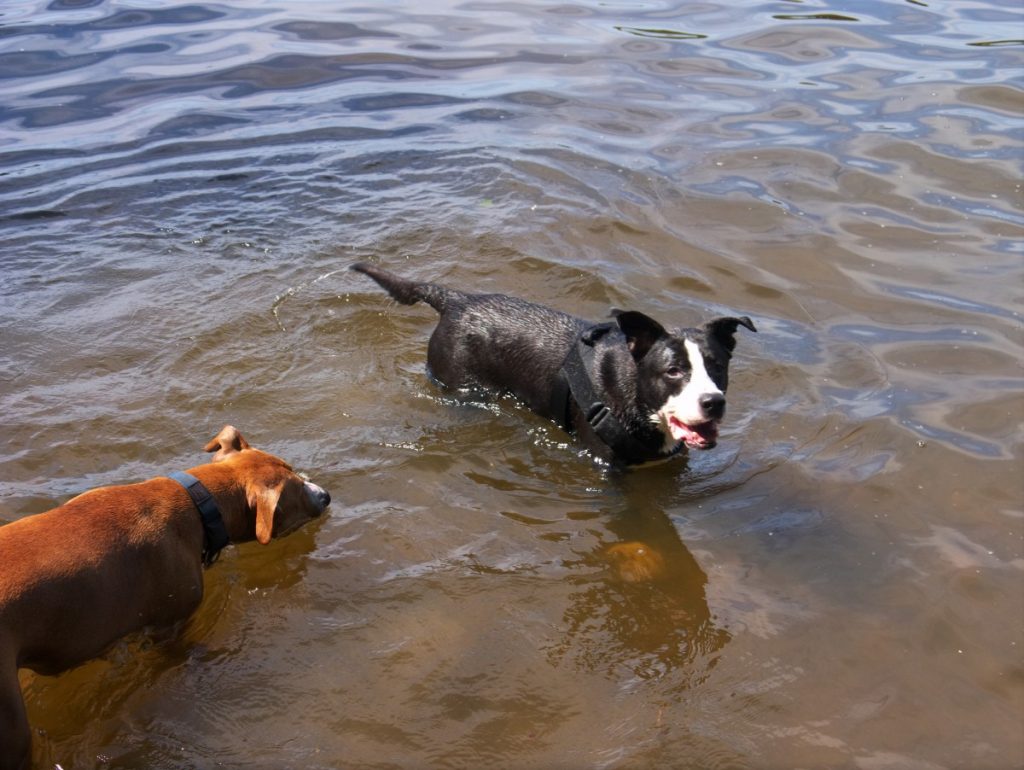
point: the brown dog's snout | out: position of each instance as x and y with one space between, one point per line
317 495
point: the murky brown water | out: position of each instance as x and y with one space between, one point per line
839 584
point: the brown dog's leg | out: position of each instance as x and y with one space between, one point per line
15 739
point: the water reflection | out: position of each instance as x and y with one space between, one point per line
665 34
639 601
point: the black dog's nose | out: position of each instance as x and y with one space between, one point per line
713 405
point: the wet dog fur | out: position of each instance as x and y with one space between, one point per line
117 559
667 388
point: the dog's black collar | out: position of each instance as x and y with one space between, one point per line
576 384
215 534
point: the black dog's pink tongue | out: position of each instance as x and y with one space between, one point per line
708 432
702 436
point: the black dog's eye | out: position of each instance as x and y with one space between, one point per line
673 372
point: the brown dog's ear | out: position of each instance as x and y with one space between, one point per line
641 331
265 505
226 443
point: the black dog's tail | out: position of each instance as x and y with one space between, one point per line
405 291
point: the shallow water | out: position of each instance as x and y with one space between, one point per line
838 584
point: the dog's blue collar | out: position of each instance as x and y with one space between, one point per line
576 384
215 534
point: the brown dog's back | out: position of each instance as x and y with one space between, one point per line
57 580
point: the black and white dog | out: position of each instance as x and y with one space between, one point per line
633 391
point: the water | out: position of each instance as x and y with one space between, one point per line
838 584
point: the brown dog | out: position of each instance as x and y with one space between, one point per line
116 559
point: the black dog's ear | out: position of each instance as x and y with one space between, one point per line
722 330
641 331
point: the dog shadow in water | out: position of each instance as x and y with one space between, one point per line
639 605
